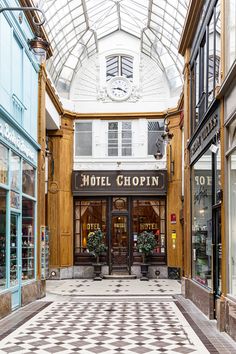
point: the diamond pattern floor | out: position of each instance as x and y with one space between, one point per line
105 327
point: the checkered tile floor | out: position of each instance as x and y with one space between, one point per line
89 287
105 327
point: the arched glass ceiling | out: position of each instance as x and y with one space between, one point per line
75 27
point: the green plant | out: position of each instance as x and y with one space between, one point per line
146 242
95 244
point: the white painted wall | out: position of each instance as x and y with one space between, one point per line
100 159
53 119
151 92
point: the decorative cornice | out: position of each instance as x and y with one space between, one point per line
190 25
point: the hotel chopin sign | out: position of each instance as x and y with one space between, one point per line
119 183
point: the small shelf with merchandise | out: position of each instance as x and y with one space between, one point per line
27 249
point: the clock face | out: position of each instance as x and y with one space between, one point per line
119 88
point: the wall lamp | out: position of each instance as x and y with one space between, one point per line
166 136
158 155
38 45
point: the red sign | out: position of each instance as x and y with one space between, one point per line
173 218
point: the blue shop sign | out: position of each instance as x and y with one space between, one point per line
17 141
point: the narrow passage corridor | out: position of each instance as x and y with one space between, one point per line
112 316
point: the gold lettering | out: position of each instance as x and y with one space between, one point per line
119 180
155 180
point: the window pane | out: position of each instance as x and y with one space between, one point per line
113 139
28 241
2 239
83 139
15 172
202 220
211 54
126 139
28 179
112 67
155 130
3 164
127 67
92 217
147 216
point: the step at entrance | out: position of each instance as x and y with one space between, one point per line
120 276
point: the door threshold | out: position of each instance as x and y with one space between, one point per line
120 276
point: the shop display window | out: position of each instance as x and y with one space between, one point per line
15 181
90 215
14 239
28 239
28 179
202 219
150 215
230 32
4 163
232 224
2 239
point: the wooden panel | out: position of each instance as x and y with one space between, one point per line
60 201
174 195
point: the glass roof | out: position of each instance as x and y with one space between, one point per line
74 28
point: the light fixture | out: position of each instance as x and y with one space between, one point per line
166 136
158 155
38 45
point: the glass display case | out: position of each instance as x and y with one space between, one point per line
44 252
28 246
13 250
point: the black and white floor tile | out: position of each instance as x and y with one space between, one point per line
105 327
89 287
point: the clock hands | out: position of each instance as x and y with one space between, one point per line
119 88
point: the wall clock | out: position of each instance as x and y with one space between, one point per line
119 88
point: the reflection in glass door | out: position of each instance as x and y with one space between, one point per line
218 251
119 243
14 260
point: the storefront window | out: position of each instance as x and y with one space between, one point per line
149 215
28 179
202 219
2 239
28 244
3 164
90 215
15 181
232 223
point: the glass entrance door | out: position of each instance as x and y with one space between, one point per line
15 260
217 251
119 244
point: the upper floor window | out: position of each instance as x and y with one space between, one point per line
155 129
119 138
83 139
205 69
119 65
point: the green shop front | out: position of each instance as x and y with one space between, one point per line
18 164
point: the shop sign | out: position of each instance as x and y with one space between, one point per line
119 182
12 137
204 136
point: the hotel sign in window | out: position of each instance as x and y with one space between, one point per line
119 138
150 215
202 219
90 215
83 139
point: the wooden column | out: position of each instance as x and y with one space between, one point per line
187 170
41 162
174 194
60 200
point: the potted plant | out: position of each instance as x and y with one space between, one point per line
96 247
146 242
